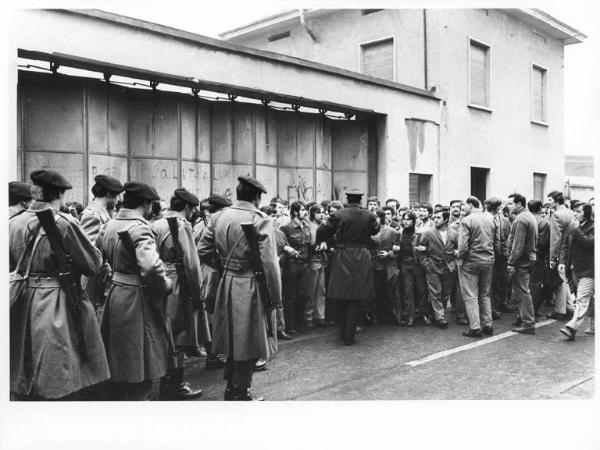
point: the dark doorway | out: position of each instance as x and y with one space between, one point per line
479 179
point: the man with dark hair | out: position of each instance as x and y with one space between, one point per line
351 282
455 214
185 299
240 327
406 256
372 204
210 269
577 254
559 223
132 320
439 247
476 242
500 281
542 249
297 275
315 305
49 358
387 305
19 198
423 223
522 243
458 305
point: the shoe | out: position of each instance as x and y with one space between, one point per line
488 331
309 325
589 331
568 332
426 320
524 330
557 316
283 336
181 392
233 394
410 322
261 365
517 323
350 341
496 315
197 351
442 323
472 333
462 321
214 362
291 332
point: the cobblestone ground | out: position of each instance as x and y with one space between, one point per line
421 363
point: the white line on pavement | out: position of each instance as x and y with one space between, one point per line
462 348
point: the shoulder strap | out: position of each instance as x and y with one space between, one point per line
28 252
174 229
17 213
48 222
232 249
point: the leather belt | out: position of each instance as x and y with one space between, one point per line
237 265
42 281
127 278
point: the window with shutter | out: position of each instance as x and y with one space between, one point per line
377 59
419 188
539 185
538 94
479 74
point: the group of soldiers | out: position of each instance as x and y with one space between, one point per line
108 304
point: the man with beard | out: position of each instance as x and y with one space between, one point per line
106 190
177 249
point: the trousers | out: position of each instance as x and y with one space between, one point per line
315 304
585 295
538 272
475 283
562 297
440 285
521 295
296 288
238 374
349 312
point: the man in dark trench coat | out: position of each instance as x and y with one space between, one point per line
351 280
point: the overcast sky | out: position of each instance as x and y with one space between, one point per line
582 61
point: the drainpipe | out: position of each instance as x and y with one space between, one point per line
425 47
306 26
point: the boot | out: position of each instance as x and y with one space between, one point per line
214 362
172 387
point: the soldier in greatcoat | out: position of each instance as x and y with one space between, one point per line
19 198
132 319
106 190
183 300
46 361
209 266
240 323
351 280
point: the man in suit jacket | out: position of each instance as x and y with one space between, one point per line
439 247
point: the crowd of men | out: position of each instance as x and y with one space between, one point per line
107 301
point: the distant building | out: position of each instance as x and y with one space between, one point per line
579 177
499 129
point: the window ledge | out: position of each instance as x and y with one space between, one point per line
480 107
540 123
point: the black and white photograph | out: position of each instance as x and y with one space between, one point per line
374 219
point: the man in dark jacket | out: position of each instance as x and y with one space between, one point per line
538 271
577 254
522 243
351 282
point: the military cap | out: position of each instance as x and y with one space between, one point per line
111 184
373 199
252 182
20 190
186 196
356 192
46 177
141 190
218 201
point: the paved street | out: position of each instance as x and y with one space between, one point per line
399 363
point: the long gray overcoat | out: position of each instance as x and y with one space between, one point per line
44 357
239 312
135 340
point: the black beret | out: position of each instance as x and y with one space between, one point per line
186 196
141 190
109 183
20 190
253 182
45 177
355 191
218 201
